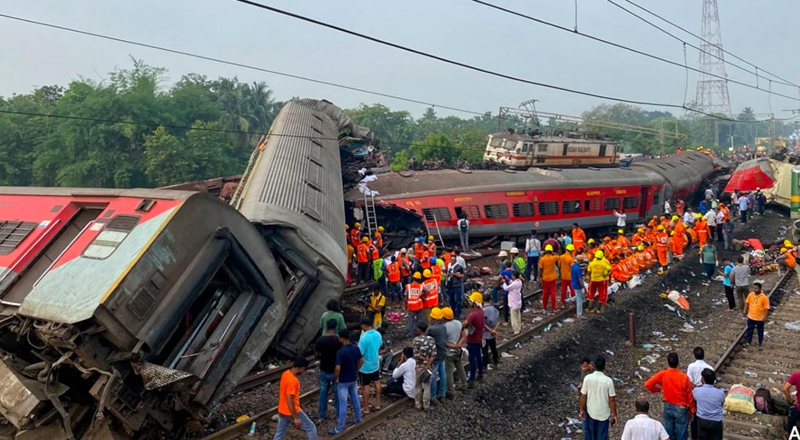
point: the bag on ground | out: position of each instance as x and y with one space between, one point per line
740 399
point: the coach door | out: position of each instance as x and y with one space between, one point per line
646 200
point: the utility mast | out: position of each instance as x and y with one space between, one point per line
712 91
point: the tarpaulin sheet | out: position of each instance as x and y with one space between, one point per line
756 173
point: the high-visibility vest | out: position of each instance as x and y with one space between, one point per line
378 239
446 258
374 250
355 237
405 266
432 248
393 272
519 262
418 250
377 268
414 297
791 261
662 240
425 261
432 297
361 253
436 272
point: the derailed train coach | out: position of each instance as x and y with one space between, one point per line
146 305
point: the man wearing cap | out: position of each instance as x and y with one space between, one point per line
438 332
578 237
547 265
454 366
532 248
622 240
362 258
430 289
565 268
455 284
475 324
414 304
519 262
598 271
662 246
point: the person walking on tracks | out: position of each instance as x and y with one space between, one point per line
289 404
676 389
326 349
475 324
694 371
756 308
741 281
641 426
598 405
348 362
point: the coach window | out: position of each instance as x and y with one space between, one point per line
496 211
630 202
543 148
602 150
593 205
655 198
548 208
612 204
12 233
471 211
570 206
436 214
566 148
523 209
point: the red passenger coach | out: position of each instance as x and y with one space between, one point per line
512 203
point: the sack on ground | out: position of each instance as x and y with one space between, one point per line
740 399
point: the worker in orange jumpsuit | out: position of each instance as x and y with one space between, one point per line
653 223
355 235
430 295
692 236
620 272
622 240
679 228
649 257
565 268
419 248
633 263
616 249
662 247
701 227
362 259
578 238
677 242
592 247
547 269
641 258
638 237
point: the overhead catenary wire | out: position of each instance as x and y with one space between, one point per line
692 45
472 67
623 47
782 80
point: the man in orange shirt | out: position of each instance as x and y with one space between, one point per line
756 308
676 390
289 403
578 237
565 268
547 269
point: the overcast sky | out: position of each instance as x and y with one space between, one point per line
760 32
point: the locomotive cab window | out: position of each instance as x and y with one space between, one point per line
109 239
471 211
593 205
523 210
548 208
612 204
571 206
496 211
497 142
542 148
630 202
510 145
436 214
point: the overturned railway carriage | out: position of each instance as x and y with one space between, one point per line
509 203
147 305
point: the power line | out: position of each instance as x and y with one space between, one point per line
621 46
692 45
469 66
785 81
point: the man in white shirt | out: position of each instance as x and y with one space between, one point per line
711 219
667 207
404 377
642 427
695 371
688 217
598 404
621 218
720 221
533 247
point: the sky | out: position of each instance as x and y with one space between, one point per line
33 56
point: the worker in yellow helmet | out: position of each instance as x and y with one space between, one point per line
476 320
547 268
414 305
431 245
430 286
598 271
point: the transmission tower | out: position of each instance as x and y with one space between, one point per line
712 92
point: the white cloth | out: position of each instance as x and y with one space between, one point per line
720 217
711 218
687 218
621 219
407 370
642 427
695 369
597 387
667 207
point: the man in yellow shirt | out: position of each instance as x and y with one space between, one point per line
376 304
598 271
565 269
547 269
756 308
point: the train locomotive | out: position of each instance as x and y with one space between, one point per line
511 203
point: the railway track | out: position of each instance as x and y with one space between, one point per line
373 419
770 366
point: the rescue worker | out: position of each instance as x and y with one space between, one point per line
622 240
517 262
414 303
362 257
565 268
377 237
431 246
378 274
677 243
786 260
701 227
679 227
419 247
430 299
393 275
638 237
405 267
578 237
592 247
377 302
641 258
619 271
355 235
351 263
436 271
597 272
662 247
547 268
653 222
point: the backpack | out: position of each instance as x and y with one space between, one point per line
763 401
462 225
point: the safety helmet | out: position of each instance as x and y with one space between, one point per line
380 229
357 225
502 254
787 243
606 239
591 240
660 227
570 247
436 313
447 313
674 218
672 233
640 230
403 251
417 276
783 250
476 297
430 237
421 240
620 231
364 239
758 188
699 215
514 250
548 248
598 254
432 260
346 227
641 248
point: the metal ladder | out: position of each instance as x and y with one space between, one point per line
438 232
371 216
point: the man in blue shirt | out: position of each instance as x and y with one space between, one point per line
727 268
348 361
577 284
743 207
370 345
532 248
709 400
